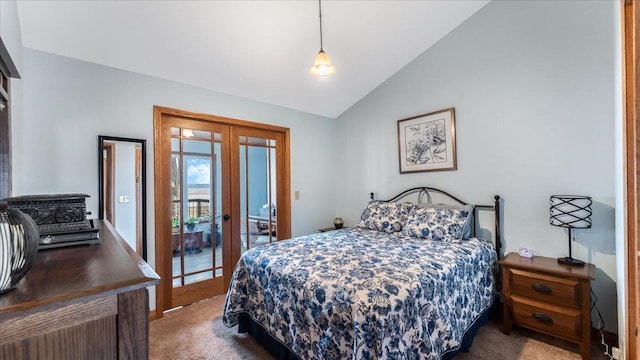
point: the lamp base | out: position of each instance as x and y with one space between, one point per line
570 261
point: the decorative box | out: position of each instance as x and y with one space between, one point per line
61 218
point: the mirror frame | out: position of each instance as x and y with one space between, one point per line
143 182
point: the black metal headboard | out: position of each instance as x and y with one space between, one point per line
426 190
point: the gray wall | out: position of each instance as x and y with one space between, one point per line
125 185
532 84
258 189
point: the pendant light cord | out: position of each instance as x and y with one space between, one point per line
320 15
322 66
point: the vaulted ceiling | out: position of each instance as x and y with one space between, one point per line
261 50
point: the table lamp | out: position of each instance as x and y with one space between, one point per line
19 238
571 212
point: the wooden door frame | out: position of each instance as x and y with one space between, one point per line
5 135
162 230
8 70
631 108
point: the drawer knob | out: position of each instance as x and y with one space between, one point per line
541 288
542 318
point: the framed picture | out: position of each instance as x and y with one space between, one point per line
427 142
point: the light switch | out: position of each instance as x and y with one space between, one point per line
297 195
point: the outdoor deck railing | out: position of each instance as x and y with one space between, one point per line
196 208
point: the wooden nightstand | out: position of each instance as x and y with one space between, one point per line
552 298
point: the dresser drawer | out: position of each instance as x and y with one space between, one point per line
554 320
553 290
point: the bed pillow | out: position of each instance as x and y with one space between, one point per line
466 230
436 223
385 216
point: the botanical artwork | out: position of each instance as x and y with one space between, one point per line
427 142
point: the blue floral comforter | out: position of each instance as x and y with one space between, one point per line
363 294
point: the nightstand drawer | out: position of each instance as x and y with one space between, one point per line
554 290
554 320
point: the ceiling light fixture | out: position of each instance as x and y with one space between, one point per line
188 133
322 66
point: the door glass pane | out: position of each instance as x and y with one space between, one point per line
257 192
196 237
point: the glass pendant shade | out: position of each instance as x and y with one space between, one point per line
187 133
322 65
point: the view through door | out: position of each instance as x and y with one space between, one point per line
219 185
254 179
199 167
121 194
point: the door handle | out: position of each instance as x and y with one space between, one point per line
541 288
542 318
226 217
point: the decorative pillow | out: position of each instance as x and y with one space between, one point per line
466 229
385 216
439 224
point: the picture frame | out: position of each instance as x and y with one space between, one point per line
427 142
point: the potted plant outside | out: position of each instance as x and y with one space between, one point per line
175 225
190 223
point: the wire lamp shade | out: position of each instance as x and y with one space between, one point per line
19 238
571 212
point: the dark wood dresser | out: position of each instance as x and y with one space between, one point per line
80 302
552 298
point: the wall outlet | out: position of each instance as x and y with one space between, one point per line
616 353
123 199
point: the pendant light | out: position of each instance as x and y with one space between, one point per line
322 66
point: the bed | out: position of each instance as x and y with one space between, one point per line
411 281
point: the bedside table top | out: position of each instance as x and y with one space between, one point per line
550 265
331 229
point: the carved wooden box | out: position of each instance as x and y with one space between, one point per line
61 218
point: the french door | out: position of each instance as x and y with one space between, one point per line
222 187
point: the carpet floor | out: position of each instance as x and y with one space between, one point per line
197 332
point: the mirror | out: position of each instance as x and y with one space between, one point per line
122 194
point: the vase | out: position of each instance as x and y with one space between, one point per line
19 238
338 223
